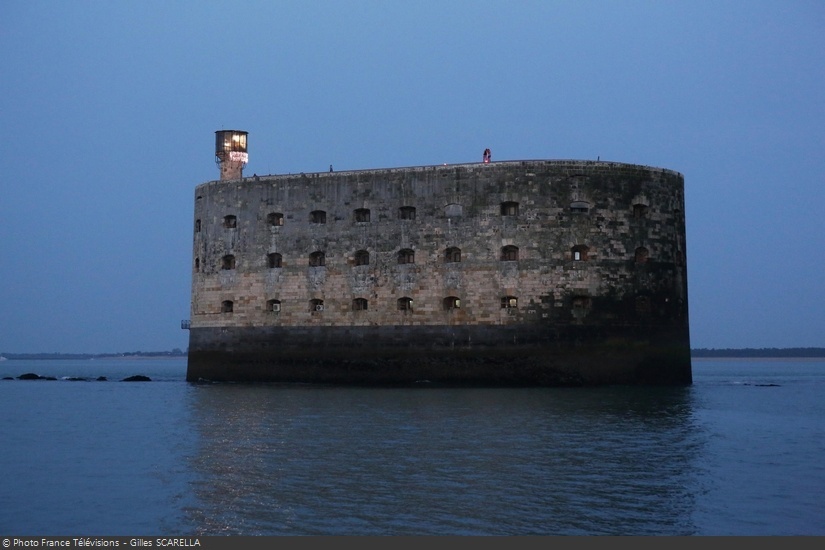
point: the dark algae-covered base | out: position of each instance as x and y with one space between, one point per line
436 355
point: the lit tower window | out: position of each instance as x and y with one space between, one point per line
230 153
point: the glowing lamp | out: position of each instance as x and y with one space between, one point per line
230 153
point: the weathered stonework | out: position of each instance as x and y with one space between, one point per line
508 273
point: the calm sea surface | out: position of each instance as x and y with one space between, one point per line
741 452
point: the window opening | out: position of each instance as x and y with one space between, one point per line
509 208
639 210
509 302
452 255
273 305
362 257
197 226
317 259
230 222
228 262
316 305
362 215
641 255
405 304
227 306
579 253
406 212
509 253
406 256
452 302
318 216
359 304
273 260
275 219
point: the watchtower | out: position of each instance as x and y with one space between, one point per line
230 153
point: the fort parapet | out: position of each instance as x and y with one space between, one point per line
536 272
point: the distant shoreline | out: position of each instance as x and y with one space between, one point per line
89 356
762 353
698 353
756 358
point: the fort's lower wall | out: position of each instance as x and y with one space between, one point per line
445 355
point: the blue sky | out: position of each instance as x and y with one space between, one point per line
109 111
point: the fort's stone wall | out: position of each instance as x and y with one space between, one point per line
510 262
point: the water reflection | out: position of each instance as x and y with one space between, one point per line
303 460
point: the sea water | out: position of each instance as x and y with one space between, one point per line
740 452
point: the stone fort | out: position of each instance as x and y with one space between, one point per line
526 273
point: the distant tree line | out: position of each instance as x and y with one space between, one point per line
758 352
696 352
177 352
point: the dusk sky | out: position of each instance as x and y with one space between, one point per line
109 112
